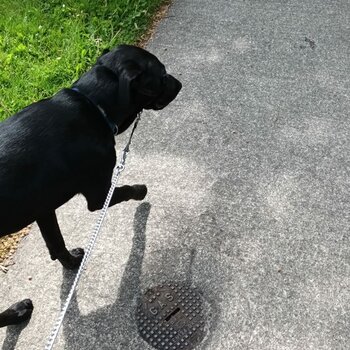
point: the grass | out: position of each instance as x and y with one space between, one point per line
46 45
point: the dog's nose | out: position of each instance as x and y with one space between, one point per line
179 85
175 83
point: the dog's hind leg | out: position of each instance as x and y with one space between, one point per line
16 313
55 243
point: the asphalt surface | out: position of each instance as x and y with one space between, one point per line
249 190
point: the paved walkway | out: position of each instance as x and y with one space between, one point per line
249 190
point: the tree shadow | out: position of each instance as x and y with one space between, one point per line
113 326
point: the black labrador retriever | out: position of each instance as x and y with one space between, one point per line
64 145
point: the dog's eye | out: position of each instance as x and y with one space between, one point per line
147 92
164 79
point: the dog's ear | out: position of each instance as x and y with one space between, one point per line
106 50
128 74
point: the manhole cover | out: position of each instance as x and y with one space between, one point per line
171 317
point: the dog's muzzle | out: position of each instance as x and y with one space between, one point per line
170 90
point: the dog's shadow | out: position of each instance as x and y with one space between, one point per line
12 336
113 326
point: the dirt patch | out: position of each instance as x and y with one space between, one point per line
159 15
8 246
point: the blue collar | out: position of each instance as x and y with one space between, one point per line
111 125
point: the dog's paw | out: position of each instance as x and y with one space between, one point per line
139 192
18 312
74 259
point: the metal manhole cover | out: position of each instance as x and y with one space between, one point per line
171 317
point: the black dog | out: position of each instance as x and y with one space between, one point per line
61 146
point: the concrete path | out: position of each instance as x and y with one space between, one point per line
249 190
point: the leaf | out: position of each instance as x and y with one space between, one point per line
21 48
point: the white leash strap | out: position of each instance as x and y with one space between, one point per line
118 169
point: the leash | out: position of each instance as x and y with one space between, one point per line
97 228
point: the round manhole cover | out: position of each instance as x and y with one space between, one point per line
171 317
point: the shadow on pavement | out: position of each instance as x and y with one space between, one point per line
12 336
113 326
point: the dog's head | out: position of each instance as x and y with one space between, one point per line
143 80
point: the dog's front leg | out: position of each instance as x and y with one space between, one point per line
16 313
96 198
54 241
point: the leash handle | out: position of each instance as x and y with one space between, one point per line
117 171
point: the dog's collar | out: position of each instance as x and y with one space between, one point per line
110 124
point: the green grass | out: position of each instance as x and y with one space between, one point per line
46 45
